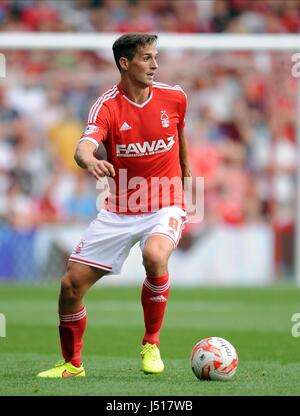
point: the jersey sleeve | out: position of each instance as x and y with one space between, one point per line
182 109
98 123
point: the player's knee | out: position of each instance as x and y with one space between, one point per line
154 259
71 288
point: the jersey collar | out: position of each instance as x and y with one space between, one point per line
132 102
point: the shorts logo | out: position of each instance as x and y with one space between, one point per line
79 247
173 223
90 129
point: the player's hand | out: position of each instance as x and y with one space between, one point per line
100 168
186 178
186 173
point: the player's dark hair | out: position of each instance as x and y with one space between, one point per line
127 45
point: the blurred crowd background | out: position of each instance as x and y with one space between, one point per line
241 123
192 16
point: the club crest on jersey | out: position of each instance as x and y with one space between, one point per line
165 122
91 129
146 148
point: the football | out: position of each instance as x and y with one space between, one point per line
214 359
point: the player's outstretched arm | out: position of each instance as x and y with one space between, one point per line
84 157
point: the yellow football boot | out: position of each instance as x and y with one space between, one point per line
151 361
63 369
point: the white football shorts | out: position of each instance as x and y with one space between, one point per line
108 239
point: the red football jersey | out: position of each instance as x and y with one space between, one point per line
141 142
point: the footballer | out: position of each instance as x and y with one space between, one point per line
141 123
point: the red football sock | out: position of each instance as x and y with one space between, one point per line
154 300
71 330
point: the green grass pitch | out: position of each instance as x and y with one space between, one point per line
257 321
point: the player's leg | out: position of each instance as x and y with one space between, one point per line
72 315
102 249
75 282
161 236
155 291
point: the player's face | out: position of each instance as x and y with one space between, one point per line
142 67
